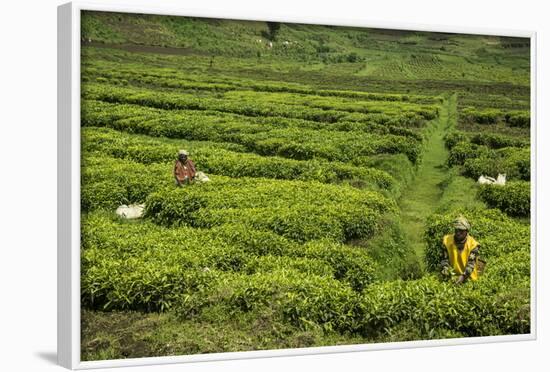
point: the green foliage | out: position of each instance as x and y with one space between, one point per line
279 238
297 210
143 266
463 151
518 119
514 198
228 159
303 300
171 77
351 265
435 307
313 289
496 141
314 108
273 29
415 57
454 137
107 182
485 116
282 139
514 162
490 154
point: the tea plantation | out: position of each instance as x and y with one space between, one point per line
337 157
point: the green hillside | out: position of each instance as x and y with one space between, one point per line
357 52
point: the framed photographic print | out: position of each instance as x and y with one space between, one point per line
238 188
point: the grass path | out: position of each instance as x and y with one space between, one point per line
422 197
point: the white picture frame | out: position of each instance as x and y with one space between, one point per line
69 189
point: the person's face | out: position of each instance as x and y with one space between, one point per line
183 157
460 234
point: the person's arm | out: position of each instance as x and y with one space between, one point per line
176 174
444 262
192 168
470 266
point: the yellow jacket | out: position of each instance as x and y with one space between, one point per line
459 259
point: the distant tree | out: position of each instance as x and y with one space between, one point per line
273 29
353 57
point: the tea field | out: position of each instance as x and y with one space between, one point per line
337 157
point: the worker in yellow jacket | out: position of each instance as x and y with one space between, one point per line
460 253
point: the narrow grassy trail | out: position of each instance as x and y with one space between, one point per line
422 197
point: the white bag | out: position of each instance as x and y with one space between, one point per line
131 211
201 177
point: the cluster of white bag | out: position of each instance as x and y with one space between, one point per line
486 180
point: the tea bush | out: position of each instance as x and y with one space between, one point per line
107 182
473 309
214 158
514 198
463 151
497 141
514 162
484 116
244 243
293 141
115 248
151 75
454 137
291 106
148 267
298 210
518 119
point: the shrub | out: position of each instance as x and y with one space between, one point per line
518 119
434 307
486 116
155 265
139 266
302 300
287 140
297 210
351 265
463 151
514 162
164 77
514 198
260 104
497 141
227 159
453 138
107 183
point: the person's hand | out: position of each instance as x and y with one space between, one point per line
460 279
